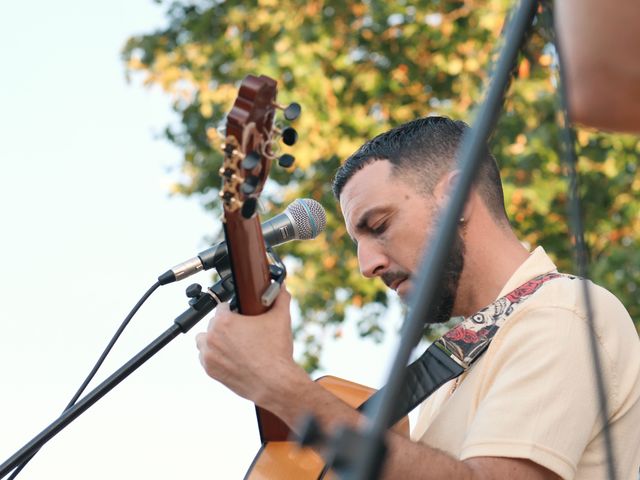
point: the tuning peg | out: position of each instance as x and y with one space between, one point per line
291 111
286 160
226 173
250 161
229 148
289 136
249 185
249 207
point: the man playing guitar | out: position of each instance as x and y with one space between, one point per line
527 409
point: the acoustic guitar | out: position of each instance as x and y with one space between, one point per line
249 150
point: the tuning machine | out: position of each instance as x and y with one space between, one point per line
286 161
229 199
289 137
291 111
288 134
250 161
228 170
250 184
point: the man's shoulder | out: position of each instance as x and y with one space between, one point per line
567 292
558 311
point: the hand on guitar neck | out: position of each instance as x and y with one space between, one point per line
252 356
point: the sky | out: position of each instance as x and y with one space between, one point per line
87 225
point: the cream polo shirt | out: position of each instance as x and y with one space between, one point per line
532 394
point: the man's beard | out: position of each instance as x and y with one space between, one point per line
445 300
446 296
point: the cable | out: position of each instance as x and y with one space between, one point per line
97 366
577 231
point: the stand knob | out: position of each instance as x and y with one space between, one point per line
194 290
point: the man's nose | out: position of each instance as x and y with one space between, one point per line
371 258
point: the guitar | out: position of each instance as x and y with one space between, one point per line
249 149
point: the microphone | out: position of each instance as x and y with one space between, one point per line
303 219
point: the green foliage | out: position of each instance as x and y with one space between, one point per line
359 68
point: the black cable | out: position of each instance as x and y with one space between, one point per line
97 366
577 232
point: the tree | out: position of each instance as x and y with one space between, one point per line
359 68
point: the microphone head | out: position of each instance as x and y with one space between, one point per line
309 218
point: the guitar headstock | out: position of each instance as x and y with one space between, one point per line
249 148
250 143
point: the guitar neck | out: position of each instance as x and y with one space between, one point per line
249 263
249 131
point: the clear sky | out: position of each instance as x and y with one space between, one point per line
87 225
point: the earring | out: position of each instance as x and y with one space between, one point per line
461 219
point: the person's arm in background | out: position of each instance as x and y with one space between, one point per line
600 43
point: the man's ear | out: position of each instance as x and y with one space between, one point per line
445 188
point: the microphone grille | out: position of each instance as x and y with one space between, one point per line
309 218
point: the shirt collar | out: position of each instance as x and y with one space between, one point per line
538 263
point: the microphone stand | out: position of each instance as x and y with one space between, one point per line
359 455
200 304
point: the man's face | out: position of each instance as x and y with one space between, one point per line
390 223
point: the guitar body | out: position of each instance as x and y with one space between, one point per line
282 459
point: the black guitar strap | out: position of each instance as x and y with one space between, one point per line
459 348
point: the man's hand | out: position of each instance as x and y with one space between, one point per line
251 355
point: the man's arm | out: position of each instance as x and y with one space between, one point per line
600 42
253 357
406 459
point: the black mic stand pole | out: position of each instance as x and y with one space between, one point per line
201 304
359 455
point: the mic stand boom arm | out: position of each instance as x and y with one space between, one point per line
201 304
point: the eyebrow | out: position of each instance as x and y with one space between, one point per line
363 222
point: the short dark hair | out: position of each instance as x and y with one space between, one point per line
421 152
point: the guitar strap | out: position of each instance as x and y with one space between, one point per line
458 349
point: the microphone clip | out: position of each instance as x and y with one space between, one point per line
278 273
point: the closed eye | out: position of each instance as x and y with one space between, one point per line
379 229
